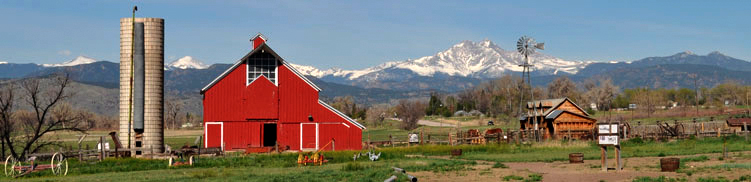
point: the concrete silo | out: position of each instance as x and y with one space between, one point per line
142 118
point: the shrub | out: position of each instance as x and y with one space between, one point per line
499 165
534 177
512 177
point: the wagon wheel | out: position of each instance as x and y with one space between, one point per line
627 127
679 130
59 164
10 166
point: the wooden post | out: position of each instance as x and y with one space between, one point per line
745 128
117 154
101 148
618 164
604 158
428 139
368 140
421 138
80 154
719 134
333 145
391 141
451 142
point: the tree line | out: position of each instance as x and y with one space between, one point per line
500 98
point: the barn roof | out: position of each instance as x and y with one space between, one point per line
332 109
262 47
551 105
555 113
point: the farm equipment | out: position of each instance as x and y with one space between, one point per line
180 162
676 130
371 155
16 168
316 158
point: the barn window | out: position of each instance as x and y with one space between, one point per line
261 64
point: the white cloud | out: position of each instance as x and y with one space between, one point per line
64 52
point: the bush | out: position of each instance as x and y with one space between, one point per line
512 177
534 177
500 165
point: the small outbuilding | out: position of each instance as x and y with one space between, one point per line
559 118
262 102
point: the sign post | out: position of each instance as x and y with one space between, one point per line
607 135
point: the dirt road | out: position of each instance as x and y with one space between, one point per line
433 123
590 170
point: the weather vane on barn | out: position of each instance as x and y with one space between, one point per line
526 46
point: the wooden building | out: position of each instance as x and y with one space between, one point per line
558 118
262 102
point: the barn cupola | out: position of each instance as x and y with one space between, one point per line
258 40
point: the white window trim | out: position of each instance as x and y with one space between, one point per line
206 134
301 129
276 73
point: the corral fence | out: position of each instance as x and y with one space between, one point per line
661 131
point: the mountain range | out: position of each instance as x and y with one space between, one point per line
459 67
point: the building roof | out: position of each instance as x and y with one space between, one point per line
262 47
738 122
555 113
332 109
551 104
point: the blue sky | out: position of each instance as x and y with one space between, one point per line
359 34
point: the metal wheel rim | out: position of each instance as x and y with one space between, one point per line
55 165
65 163
15 163
8 171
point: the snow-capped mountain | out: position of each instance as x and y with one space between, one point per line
77 61
186 63
482 59
3 62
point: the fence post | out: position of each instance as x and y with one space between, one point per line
421 138
101 148
391 141
745 128
719 134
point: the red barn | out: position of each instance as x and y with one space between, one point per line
262 100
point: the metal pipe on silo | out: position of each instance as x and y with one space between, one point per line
138 78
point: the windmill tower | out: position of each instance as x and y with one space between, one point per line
526 46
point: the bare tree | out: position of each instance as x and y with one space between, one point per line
410 112
173 108
602 95
377 113
563 87
23 131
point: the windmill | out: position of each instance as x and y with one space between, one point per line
526 46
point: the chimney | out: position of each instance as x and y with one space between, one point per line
258 40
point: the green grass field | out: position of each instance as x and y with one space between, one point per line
283 167
431 158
